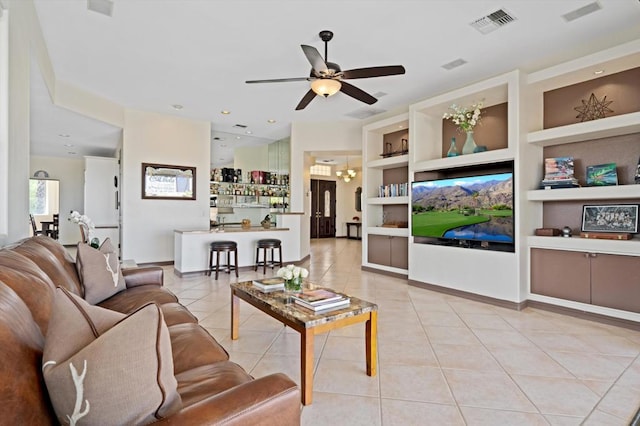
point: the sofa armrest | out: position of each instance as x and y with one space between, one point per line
134 277
272 400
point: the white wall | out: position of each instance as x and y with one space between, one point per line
70 173
148 225
251 158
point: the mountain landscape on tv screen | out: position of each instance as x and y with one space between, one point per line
478 194
478 208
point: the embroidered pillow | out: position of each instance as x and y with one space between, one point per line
102 367
99 271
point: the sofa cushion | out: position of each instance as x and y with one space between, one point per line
131 299
54 260
99 271
22 391
202 382
193 347
175 313
106 368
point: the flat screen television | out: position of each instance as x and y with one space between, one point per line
475 210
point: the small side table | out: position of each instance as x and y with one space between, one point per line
358 226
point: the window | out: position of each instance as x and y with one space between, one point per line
321 170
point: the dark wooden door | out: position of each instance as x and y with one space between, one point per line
323 208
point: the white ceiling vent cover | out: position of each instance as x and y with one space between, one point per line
493 21
580 12
104 7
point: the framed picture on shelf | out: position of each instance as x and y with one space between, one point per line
621 218
602 175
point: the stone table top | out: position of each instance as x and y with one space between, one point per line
282 303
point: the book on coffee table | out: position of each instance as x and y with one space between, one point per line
269 284
320 300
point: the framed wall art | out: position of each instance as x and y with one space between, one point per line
166 182
620 218
602 175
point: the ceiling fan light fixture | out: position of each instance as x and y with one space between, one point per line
325 86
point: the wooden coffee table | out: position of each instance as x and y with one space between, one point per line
280 306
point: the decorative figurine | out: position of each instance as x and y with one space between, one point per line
566 231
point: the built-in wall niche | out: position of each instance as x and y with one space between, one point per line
396 143
492 131
620 89
624 151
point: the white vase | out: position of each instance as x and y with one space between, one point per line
470 144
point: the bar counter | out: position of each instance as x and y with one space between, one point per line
191 246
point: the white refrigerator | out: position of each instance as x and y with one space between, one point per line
101 197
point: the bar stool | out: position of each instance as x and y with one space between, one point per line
268 243
227 247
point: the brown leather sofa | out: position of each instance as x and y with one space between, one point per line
213 389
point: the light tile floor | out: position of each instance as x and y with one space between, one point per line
443 360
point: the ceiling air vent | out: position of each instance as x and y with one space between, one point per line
365 113
582 11
104 7
493 21
240 126
454 64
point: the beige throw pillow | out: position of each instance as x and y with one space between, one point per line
102 367
99 271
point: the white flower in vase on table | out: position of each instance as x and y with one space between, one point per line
293 276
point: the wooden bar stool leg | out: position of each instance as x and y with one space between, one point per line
264 264
217 262
235 261
280 256
255 267
210 262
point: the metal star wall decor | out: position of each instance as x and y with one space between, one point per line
593 108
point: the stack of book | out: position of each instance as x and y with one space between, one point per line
269 284
320 300
559 173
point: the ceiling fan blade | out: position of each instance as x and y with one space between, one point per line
373 72
315 59
306 99
356 93
278 80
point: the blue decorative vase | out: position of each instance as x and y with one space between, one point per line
453 150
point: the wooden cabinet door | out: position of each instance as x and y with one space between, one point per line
562 274
615 281
400 252
378 249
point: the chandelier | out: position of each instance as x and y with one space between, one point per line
347 174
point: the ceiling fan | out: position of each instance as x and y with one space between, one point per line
327 78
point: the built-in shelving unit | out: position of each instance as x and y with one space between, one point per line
488 273
520 97
598 134
384 248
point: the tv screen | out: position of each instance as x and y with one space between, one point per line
474 208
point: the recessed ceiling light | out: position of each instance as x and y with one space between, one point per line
271 121
177 106
598 72
68 145
248 132
238 137
225 112
64 135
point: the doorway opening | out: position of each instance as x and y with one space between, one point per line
323 208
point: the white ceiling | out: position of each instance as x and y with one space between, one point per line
150 55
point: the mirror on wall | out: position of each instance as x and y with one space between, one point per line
44 202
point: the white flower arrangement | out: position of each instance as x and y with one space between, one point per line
465 118
81 219
290 272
